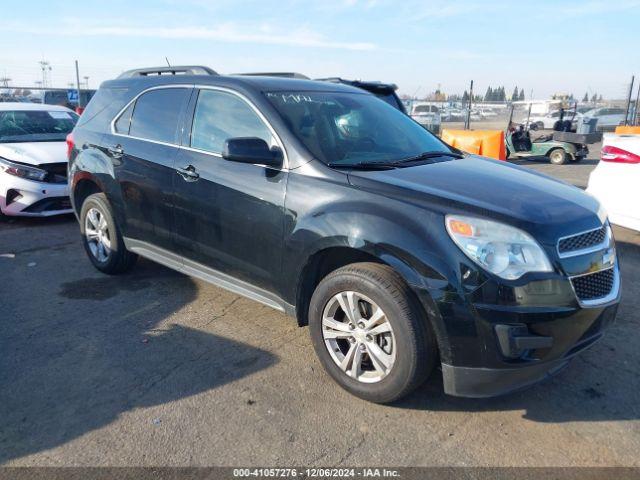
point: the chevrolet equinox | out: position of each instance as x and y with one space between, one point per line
398 251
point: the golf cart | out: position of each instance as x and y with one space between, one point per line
560 147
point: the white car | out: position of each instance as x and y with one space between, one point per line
616 179
428 116
608 117
546 122
33 159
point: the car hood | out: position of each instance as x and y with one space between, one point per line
34 153
545 207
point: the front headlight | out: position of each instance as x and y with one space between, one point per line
501 249
22 171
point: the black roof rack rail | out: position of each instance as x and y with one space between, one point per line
275 74
177 70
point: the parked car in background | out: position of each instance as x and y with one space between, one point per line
608 117
546 122
451 114
616 179
427 115
33 159
323 202
61 98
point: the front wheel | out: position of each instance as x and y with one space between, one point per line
558 156
101 238
369 333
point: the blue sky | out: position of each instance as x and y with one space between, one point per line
544 46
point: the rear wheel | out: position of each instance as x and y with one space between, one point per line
558 156
369 333
101 238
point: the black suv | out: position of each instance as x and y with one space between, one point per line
326 203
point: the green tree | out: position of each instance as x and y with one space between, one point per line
514 95
521 97
585 99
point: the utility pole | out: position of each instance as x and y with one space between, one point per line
467 123
45 67
637 115
5 81
626 115
78 83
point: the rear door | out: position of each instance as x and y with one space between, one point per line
229 215
143 147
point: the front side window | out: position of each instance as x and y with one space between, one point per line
347 128
36 125
156 115
220 116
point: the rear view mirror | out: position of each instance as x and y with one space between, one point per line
251 150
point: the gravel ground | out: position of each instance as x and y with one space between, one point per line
156 368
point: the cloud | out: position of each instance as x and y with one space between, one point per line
597 6
229 32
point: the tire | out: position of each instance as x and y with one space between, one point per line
534 126
558 156
406 354
112 258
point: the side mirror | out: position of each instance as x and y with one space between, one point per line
251 150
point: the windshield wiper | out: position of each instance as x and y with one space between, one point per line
426 156
386 165
363 165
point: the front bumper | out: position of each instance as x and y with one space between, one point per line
546 323
20 197
479 382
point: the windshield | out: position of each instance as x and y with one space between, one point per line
35 125
350 128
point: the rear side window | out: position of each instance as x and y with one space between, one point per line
156 115
124 120
220 116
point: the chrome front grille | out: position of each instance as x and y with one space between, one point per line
582 241
594 286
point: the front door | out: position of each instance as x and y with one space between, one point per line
229 215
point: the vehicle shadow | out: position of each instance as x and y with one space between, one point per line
601 384
80 349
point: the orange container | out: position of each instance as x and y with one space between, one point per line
628 130
488 143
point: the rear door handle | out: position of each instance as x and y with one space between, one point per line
116 152
188 173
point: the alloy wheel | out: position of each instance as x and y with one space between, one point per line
97 235
358 336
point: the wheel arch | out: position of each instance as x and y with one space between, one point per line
326 260
82 188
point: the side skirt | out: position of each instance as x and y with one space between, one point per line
209 275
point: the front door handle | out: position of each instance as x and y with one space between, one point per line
188 173
117 151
